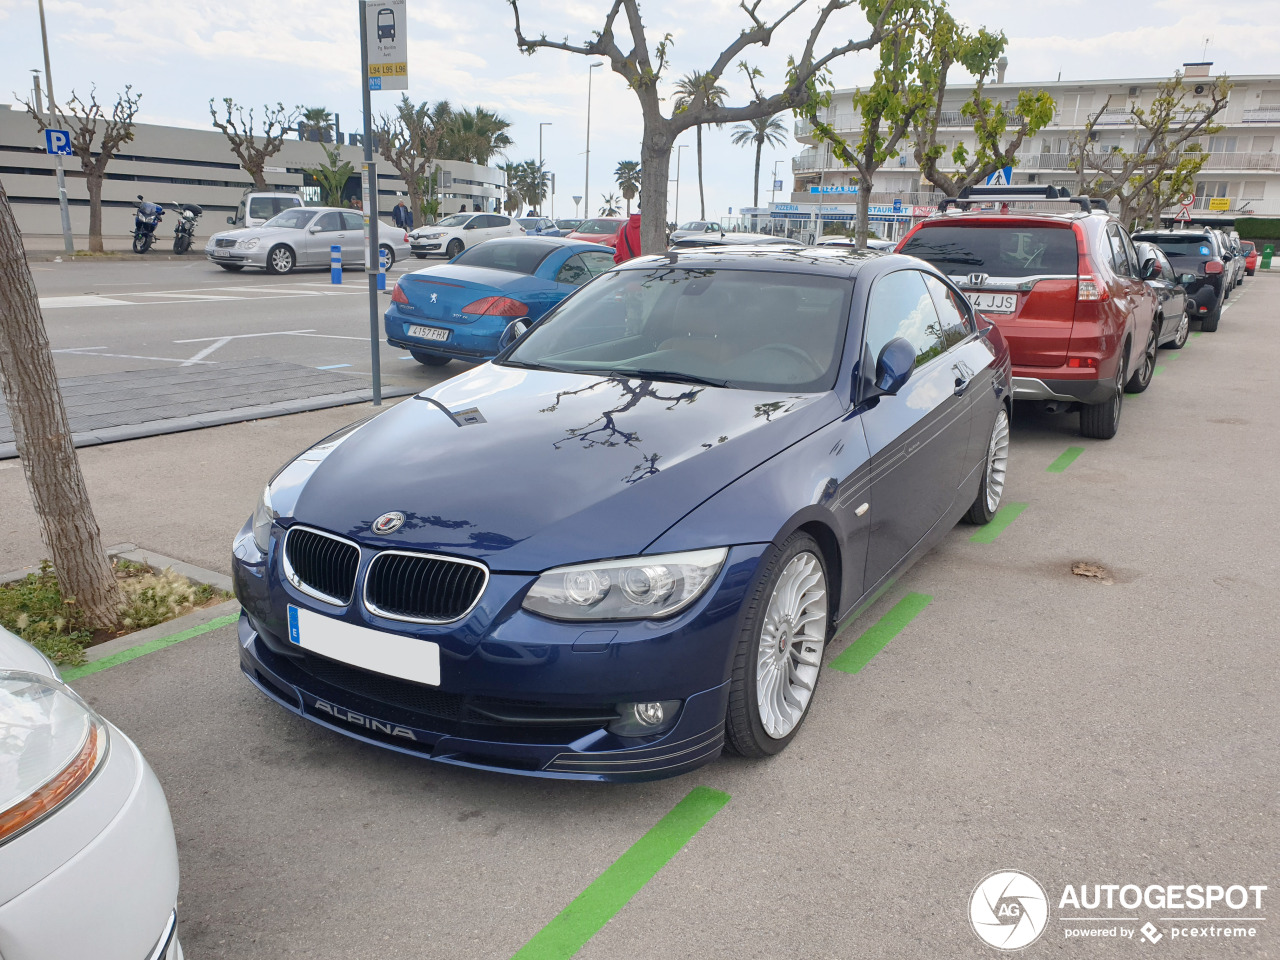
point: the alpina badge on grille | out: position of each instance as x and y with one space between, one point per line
387 523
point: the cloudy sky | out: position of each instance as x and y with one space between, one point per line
179 53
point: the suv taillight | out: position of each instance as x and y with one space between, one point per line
1088 289
1213 266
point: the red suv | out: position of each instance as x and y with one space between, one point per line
1066 290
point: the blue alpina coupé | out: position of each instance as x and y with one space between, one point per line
459 309
628 539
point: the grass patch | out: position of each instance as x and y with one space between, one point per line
35 609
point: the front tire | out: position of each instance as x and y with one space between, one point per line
181 244
1141 378
779 651
429 359
991 490
280 260
141 242
454 248
1101 421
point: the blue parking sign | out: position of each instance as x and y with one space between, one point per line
58 142
897 204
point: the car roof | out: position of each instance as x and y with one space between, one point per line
781 259
961 217
551 242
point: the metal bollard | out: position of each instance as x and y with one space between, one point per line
382 271
335 263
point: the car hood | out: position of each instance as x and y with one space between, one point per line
17 654
531 469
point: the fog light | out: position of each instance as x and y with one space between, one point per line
643 719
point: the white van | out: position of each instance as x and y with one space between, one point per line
258 208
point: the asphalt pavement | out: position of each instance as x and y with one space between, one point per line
1113 729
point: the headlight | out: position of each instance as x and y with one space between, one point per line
50 745
263 517
631 589
432 236
247 244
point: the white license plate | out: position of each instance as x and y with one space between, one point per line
993 302
428 333
389 653
221 253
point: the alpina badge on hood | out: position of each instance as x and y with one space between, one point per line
387 523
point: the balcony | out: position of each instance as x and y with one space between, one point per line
1240 160
1261 115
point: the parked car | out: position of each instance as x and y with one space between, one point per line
873 243
1064 289
456 233
301 239
1237 257
627 540
698 240
540 227
88 863
1234 264
460 309
1250 256
568 226
600 230
256 207
696 228
1197 253
1171 294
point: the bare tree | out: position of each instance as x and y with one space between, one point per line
254 152
642 68
1166 145
999 130
408 141
85 121
43 437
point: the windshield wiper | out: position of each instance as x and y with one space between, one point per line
670 376
524 365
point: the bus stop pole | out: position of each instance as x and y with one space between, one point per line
373 254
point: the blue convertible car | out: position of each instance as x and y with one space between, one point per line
459 309
628 539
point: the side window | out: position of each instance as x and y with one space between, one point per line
900 306
352 221
1119 259
1135 266
494 221
954 315
596 262
240 213
574 271
1166 268
328 222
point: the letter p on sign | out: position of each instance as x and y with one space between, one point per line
57 142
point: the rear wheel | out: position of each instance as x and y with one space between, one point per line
388 255
1184 331
1141 378
280 260
429 359
992 489
1100 421
779 651
1209 322
453 249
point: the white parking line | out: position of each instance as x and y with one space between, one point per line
54 303
246 336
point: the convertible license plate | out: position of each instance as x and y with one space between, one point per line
993 302
428 333
389 653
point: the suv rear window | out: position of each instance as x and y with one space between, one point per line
1190 245
998 251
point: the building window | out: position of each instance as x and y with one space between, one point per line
1222 144
1253 190
1264 144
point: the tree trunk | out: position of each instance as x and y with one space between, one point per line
43 437
259 178
702 199
93 183
864 210
755 184
655 168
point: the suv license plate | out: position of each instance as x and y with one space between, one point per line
428 333
993 302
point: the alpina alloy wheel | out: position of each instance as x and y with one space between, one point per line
991 491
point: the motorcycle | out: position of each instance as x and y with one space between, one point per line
145 220
184 231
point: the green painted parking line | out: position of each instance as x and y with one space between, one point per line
1158 369
1197 333
1067 459
610 892
864 605
124 656
1004 516
859 653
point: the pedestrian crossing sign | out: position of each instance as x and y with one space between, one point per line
1001 178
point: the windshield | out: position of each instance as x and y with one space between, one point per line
609 227
1191 245
263 208
294 219
694 225
518 256
457 220
748 329
567 224
999 251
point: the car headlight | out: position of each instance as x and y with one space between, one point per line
631 589
263 517
247 244
432 236
51 743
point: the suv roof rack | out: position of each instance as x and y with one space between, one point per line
1022 194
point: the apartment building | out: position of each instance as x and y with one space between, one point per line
1243 167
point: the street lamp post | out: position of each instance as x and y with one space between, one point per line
677 214
540 126
586 176
67 242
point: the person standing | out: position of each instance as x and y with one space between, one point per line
402 216
628 240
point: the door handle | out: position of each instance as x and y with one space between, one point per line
962 385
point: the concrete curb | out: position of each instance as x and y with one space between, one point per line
156 428
111 256
197 618
156 561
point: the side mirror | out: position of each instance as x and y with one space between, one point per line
139 196
314 230
893 367
231 220
1188 278
1150 269
514 331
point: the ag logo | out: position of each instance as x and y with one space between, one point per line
1008 910
388 523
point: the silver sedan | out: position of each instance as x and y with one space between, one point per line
302 238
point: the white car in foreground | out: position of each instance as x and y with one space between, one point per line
454 234
88 863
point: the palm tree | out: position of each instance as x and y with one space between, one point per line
473 136
320 120
691 89
610 208
532 182
628 177
514 199
332 176
760 131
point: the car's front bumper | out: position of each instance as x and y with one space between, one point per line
99 877
256 257
546 671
